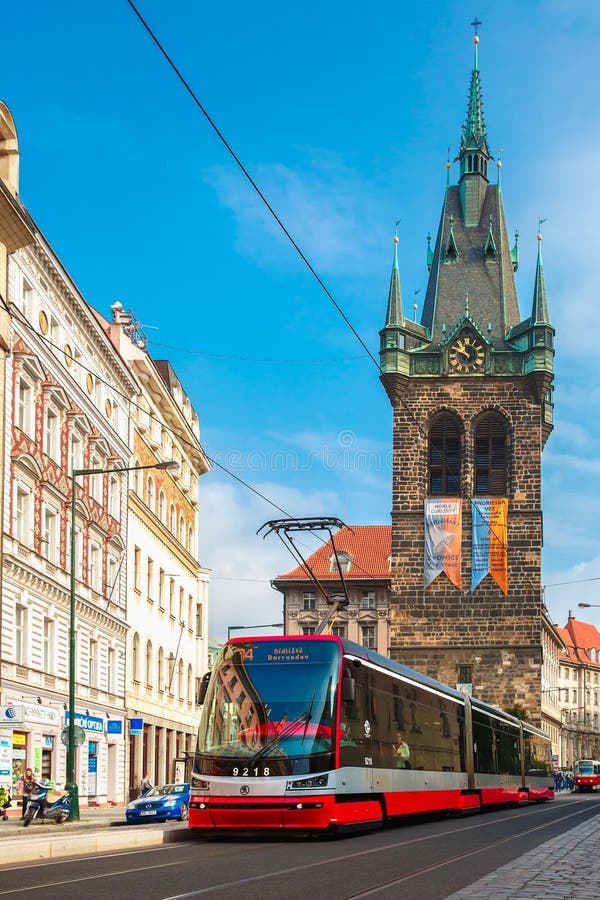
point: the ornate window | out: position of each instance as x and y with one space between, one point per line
491 456
445 457
149 663
135 657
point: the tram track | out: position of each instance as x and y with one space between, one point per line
184 865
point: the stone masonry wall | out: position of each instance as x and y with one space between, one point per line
437 629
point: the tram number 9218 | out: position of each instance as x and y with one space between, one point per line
247 772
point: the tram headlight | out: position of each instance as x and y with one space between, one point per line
317 781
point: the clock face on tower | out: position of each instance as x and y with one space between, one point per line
466 355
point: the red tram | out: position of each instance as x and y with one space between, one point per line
586 775
318 733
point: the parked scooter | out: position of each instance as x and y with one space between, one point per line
38 806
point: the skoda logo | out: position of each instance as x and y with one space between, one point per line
244 790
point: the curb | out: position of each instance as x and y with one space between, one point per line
60 845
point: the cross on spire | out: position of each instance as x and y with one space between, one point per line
475 24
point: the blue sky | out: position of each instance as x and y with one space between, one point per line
343 116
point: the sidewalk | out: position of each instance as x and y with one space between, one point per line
563 868
99 830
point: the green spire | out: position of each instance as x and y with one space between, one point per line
474 153
539 311
394 315
429 253
514 253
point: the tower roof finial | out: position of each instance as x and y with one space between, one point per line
394 315
475 24
539 312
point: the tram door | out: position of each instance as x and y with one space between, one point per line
356 743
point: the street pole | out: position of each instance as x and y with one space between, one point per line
71 784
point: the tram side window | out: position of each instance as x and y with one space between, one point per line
483 744
537 755
429 724
354 744
507 750
435 732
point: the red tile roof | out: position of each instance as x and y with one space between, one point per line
369 547
578 637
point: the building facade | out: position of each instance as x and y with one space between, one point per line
65 411
364 554
167 645
80 393
471 390
579 692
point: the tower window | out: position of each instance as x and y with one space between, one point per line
491 457
444 457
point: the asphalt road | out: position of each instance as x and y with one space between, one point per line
425 859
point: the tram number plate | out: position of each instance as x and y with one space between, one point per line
247 772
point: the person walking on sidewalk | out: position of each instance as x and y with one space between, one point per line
146 784
28 786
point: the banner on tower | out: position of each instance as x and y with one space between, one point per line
443 531
490 541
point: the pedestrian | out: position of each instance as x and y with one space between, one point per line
4 802
28 787
402 752
146 784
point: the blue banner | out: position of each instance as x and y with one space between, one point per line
88 723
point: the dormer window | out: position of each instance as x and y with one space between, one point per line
345 561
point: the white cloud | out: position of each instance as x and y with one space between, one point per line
329 210
229 519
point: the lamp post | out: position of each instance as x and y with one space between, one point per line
71 785
231 628
584 605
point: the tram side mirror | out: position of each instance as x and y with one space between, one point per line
348 687
203 689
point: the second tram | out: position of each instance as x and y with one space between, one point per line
318 733
586 775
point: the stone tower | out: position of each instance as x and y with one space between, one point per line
471 391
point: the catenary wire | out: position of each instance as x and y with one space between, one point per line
249 177
186 443
281 224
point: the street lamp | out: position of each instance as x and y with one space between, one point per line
231 628
71 785
583 605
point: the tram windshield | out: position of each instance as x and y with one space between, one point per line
269 708
584 767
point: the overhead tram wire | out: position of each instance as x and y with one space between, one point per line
250 179
16 313
271 210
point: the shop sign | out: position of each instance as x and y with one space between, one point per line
136 726
88 723
5 757
44 715
11 715
48 742
114 726
19 739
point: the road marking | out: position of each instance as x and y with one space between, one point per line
334 859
